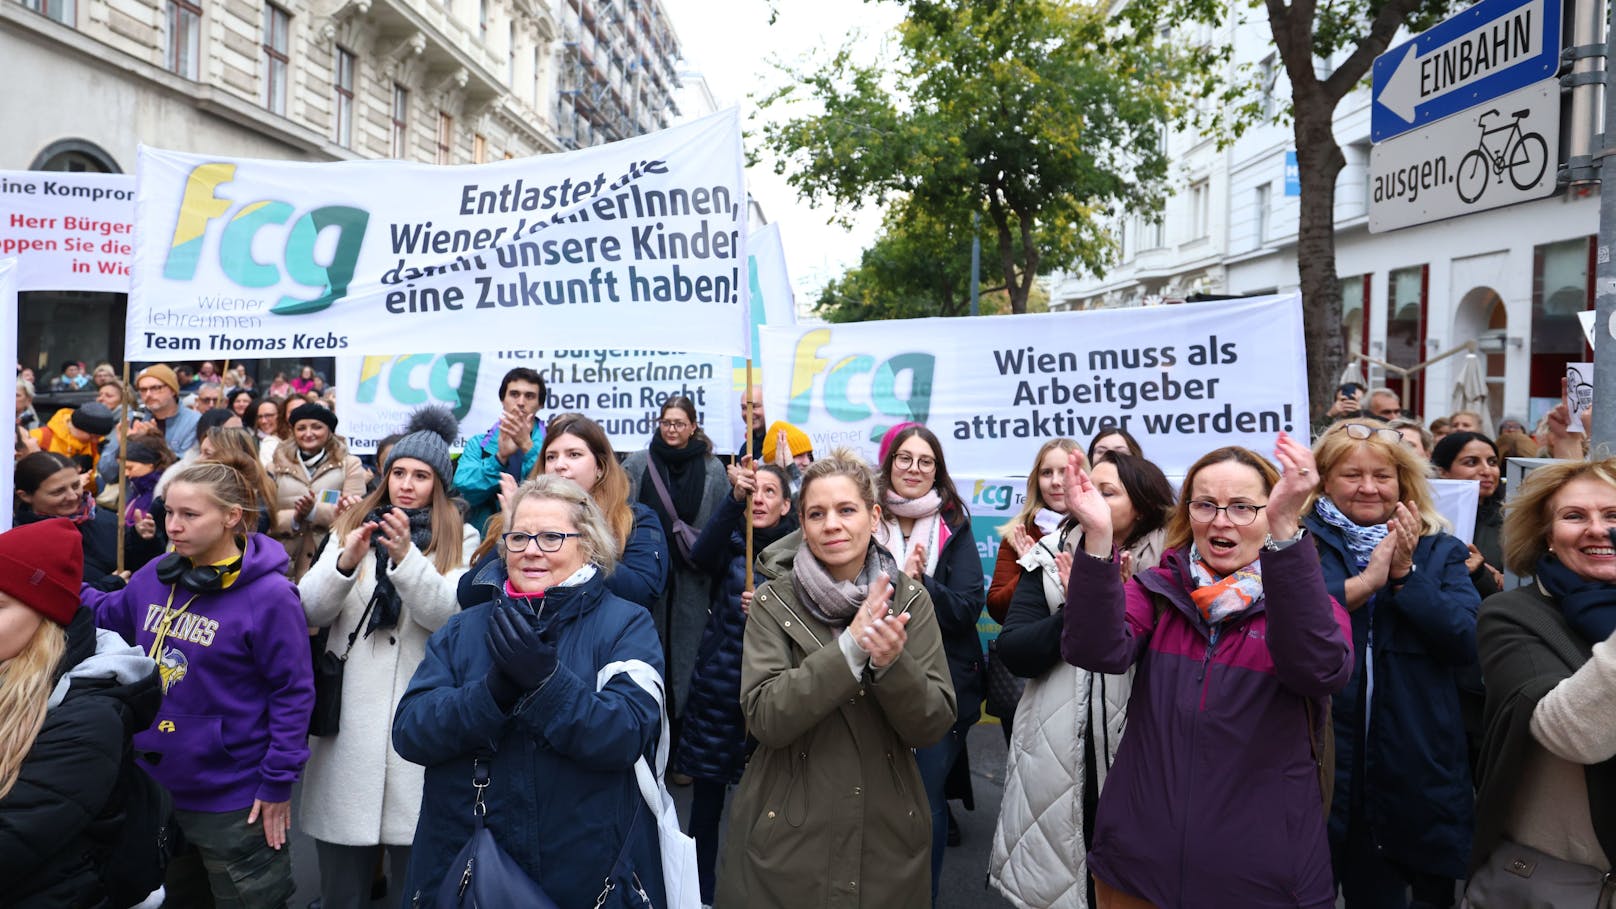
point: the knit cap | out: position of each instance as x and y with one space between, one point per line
41 565
94 418
313 411
141 451
796 440
161 373
889 436
427 439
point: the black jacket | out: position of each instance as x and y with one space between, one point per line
1029 640
959 592
59 818
712 742
100 535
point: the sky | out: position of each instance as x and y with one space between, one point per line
733 44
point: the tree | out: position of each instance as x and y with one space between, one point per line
1037 114
1304 33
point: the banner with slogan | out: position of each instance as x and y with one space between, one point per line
68 231
8 377
773 303
640 244
1181 379
622 390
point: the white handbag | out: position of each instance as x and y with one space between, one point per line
678 850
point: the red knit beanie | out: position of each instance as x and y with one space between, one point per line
42 565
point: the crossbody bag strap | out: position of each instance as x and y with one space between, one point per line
354 636
661 488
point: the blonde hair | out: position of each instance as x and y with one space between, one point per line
226 485
26 681
447 548
595 536
1336 446
238 448
841 462
1033 502
1527 516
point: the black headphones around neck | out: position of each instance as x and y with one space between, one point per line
177 569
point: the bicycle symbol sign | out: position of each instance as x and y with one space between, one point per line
1503 152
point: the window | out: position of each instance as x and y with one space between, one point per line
1562 286
1354 315
1405 327
482 21
1200 209
343 104
62 11
1267 75
185 38
401 121
479 148
277 41
445 137
510 55
1260 204
1156 231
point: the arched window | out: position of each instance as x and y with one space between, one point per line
75 156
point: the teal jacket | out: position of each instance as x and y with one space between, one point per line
477 472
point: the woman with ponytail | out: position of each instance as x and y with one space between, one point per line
227 631
927 530
70 699
383 590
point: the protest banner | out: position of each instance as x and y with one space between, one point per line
622 390
1457 501
773 303
68 231
636 244
8 354
1182 379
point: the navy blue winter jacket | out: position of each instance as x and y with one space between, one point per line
562 799
1410 771
712 742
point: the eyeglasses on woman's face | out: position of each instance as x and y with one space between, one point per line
903 460
1241 513
675 425
546 540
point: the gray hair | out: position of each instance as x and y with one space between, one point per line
26 387
595 535
1426 438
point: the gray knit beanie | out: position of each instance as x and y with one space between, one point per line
427 439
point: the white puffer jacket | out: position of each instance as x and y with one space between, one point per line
1038 859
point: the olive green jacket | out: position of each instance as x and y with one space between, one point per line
830 811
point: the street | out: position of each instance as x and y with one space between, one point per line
964 868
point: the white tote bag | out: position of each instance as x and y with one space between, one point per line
678 850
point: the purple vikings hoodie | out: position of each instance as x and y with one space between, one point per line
238 684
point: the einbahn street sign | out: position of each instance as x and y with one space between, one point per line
1468 59
1487 157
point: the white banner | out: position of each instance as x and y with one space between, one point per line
1181 379
1457 500
622 390
68 231
636 244
8 357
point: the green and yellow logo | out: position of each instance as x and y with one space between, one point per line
858 387
418 379
201 206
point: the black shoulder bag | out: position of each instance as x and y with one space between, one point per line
326 719
482 875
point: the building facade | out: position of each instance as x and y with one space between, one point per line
1511 279
436 81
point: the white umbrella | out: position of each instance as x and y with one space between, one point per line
1470 391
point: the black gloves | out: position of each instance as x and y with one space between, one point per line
523 659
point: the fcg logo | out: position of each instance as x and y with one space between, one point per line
998 496
201 206
858 387
422 379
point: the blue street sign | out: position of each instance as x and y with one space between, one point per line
1470 58
1293 174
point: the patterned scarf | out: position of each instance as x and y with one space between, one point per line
928 531
386 606
1219 598
86 512
1361 540
829 600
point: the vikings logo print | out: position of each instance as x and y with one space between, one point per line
172 667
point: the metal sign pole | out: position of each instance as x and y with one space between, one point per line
1604 415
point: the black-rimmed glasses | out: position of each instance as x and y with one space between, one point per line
1241 513
547 540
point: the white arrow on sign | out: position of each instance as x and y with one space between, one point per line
1453 65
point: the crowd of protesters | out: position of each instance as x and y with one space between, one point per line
1285 684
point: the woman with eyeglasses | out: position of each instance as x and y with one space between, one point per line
927 531
679 479
515 686
1402 815
1473 456
1216 795
383 590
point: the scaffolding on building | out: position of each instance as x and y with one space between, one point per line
617 75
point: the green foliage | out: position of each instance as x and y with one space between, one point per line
1043 116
